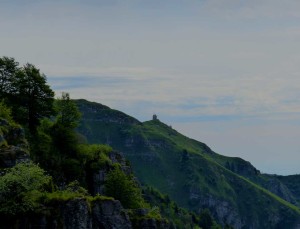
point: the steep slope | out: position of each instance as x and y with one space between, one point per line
189 171
269 182
293 184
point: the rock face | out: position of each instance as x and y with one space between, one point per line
278 188
242 167
223 211
141 221
13 145
110 214
100 176
77 214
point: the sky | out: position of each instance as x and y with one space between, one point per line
224 72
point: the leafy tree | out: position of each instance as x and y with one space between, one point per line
124 189
26 91
8 70
63 131
5 111
33 98
68 113
16 186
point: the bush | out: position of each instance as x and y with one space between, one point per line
5 112
18 185
123 188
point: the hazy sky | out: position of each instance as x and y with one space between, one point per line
225 72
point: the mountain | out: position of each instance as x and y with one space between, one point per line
30 198
192 174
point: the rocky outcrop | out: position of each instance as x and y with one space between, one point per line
110 214
106 214
140 220
77 213
99 176
80 214
278 188
13 145
222 210
242 167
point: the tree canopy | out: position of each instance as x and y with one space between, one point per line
25 89
17 184
68 113
123 188
8 69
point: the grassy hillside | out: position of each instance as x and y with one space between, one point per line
189 171
293 184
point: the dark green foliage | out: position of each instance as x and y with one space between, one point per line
55 143
228 227
68 113
5 112
64 139
18 187
33 98
94 156
177 216
124 188
8 69
206 221
185 169
26 91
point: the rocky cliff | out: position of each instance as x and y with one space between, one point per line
13 145
76 213
84 212
100 175
191 173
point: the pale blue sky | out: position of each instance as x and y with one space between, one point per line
225 72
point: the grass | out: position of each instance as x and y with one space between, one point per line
156 157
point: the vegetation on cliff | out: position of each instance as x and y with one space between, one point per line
61 167
190 172
72 158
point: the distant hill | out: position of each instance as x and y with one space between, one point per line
192 174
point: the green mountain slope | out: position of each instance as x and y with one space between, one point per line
190 172
293 184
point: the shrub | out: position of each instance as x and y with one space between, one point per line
17 187
123 188
5 112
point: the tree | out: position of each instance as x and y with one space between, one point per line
18 183
63 132
33 98
8 69
68 113
124 189
5 112
26 91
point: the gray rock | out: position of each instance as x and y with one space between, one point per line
14 147
99 177
109 214
75 214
